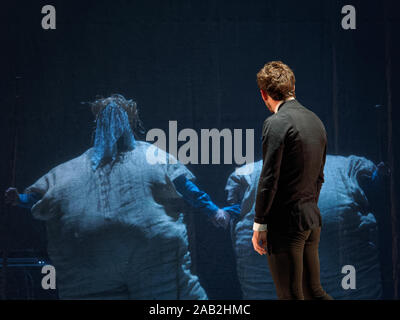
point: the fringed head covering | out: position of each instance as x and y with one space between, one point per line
116 118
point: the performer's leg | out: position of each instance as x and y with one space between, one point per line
279 268
286 264
306 290
312 283
89 278
161 270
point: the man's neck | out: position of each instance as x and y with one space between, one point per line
280 102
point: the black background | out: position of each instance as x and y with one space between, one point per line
194 62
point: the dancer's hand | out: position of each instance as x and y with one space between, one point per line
220 219
260 236
383 169
11 196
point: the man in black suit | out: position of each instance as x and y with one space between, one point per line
294 152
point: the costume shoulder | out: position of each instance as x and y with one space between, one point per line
60 173
248 169
154 154
74 163
157 156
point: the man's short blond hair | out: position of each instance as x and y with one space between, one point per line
277 80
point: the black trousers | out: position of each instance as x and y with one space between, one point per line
294 264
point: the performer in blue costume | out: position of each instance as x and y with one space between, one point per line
114 219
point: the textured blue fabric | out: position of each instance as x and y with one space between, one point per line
112 124
349 232
194 196
233 210
27 200
375 176
190 192
118 231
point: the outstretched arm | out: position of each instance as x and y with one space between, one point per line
194 196
201 200
24 200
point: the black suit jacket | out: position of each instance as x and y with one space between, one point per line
294 151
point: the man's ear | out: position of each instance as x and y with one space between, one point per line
264 95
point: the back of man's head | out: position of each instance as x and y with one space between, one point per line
277 80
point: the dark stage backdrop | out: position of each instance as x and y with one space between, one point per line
195 62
